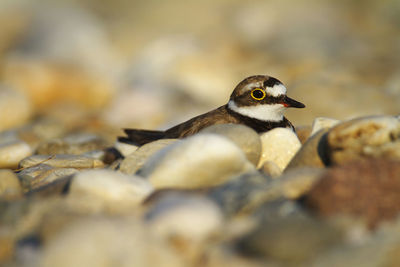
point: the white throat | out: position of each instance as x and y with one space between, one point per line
266 112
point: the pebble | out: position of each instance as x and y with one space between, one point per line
271 169
73 144
62 161
244 137
106 242
40 175
375 136
313 153
202 160
15 107
10 187
109 190
279 146
134 161
323 123
188 216
367 189
240 195
288 236
12 153
250 191
125 149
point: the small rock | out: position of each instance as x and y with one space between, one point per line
246 193
10 187
240 195
62 161
288 236
367 189
107 243
133 162
43 174
297 182
202 160
376 136
125 149
12 153
74 144
109 189
312 154
279 145
16 109
323 123
271 169
189 216
244 137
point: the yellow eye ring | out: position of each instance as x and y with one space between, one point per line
258 94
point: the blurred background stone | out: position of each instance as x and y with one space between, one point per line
74 73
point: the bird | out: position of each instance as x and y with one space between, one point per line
258 102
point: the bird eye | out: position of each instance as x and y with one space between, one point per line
258 94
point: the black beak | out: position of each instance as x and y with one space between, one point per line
291 103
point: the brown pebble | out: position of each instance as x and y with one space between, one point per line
368 189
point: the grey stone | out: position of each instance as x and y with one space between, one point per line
248 192
43 174
287 235
62 161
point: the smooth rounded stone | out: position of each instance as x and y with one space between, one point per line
10 187
125 149
74 144
295 183
279 145
366 189
43 174
15 107
271 169
134 161
313 153
378 249
109 189
322 123
105 242
289 237
62 161
12 153
250 191
244 137
242 194
189 216
202 160
375 136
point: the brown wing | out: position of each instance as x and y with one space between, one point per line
140 137
196 124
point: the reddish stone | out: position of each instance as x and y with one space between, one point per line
369 189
